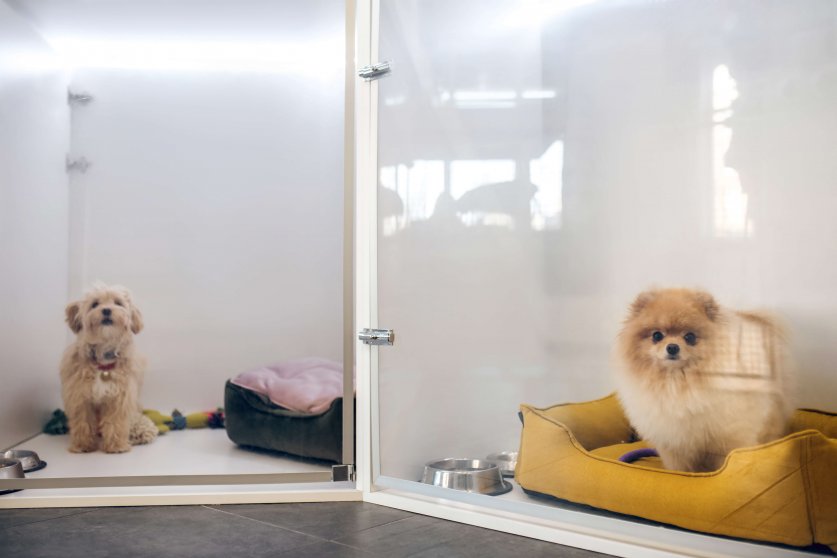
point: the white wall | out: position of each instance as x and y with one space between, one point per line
620 111
215 191
34 137
217 199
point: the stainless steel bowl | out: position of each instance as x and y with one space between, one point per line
28 459
506 461
10 469
470 475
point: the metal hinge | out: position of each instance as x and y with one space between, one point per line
341 473
77 165
78 98
374 71
377 336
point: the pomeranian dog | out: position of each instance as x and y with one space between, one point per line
101 374
698 381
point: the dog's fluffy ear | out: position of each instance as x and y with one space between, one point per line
642 301
136 316
73 316
708 304
136 319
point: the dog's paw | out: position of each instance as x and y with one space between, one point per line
116 448
141 438
143 431
77 447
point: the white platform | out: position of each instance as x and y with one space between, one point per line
184 452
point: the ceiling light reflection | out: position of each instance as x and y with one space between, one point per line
310 58
537 12
538 94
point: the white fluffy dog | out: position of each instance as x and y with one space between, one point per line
101 375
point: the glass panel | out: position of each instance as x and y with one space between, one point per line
214 192
543 162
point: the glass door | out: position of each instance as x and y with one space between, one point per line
541 163
476 216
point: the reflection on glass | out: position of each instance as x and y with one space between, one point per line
547 174
482 192
484 99
467 175
478 99
485 192
536 12
731 218
416 190
395 100
538 94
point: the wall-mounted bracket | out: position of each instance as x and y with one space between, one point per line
78 98
377 336
77 165
374 71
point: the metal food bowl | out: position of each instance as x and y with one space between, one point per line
506 461
10 469
469 475
28 459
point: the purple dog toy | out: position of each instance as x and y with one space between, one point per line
632 456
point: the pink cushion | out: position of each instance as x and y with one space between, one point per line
307 385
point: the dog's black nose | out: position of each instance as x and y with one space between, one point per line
672 349
106 312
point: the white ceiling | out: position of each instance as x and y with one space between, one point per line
203 34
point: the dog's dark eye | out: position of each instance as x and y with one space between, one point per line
118 302
690 338
95 304
657 336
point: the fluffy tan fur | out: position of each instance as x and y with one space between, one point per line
697 397
101 374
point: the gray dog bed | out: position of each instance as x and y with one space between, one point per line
252 420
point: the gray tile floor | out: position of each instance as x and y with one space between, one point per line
328 530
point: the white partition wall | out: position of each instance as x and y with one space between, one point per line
215 185
540 163
218 200
34 138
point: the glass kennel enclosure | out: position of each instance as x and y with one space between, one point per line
537 164
193 152
523 169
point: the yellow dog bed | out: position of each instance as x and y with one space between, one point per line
783 491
